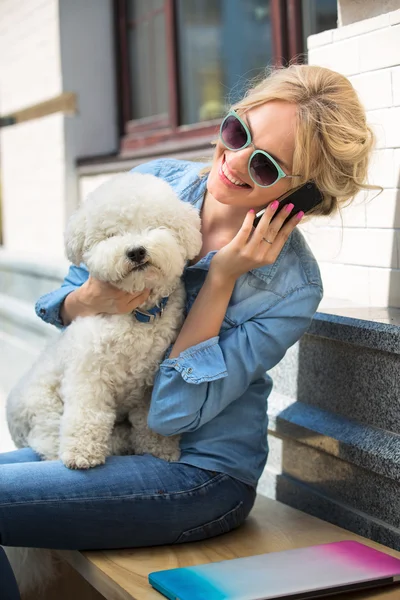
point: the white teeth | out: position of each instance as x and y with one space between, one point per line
228 176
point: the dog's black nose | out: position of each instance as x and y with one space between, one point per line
137 255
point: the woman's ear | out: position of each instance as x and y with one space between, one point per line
75 236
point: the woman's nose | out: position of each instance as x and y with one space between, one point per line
239 160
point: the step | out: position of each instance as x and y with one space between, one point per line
348 366
340 480
28 279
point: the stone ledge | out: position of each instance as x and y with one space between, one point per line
354 326
365 446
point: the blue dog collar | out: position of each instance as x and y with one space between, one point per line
149 316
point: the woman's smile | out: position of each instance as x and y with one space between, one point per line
229 178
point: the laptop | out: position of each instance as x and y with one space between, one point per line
299 574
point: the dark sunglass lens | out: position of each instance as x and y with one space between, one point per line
233 133
262 170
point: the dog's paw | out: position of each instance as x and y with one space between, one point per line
168 452
172 456
74 460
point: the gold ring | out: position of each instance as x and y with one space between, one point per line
265 240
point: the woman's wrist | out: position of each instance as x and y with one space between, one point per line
217 278
76 304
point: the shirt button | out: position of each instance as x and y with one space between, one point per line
189 370
42 311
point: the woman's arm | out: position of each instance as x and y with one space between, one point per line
207 313
191 389
80 295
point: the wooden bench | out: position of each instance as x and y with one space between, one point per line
272 526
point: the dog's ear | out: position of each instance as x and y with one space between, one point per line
75 236
188 230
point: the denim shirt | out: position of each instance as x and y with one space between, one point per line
215 393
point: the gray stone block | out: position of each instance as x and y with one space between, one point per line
341 481
365 446
303 497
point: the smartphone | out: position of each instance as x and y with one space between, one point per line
304 198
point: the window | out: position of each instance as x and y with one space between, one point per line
182 62
220 44
318 16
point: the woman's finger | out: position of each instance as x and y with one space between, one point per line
246 229
287 229
264 224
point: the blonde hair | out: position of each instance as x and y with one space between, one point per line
333 141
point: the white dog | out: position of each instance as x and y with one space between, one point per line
135 233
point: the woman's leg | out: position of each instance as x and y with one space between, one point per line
23 455
130 501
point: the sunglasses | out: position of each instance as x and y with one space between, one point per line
263 169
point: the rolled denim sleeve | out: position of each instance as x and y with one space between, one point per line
203 380
48 306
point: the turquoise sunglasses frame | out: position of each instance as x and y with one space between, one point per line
281 173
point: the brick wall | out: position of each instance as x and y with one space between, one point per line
360 261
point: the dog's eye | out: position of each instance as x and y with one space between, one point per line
110 235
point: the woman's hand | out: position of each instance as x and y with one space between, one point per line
96 297
99 297
250 249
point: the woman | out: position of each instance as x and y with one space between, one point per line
251 294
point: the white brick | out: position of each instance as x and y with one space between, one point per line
347 283
352 215
368 247
379 49
383 210
382 170
384 287
394 17
320 39
386 125
361 27
396 86
374 89
341 56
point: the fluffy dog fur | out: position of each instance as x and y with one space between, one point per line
79 397
100 370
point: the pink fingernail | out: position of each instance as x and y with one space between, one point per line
274 205
300 215
289 208
252 210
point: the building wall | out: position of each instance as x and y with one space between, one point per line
48 47
88 69
360 261
351 11
32 153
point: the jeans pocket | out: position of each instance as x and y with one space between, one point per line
230 520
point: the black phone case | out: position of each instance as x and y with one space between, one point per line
304 199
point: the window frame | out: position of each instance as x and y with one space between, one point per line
138 134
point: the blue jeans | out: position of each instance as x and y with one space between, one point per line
131 501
